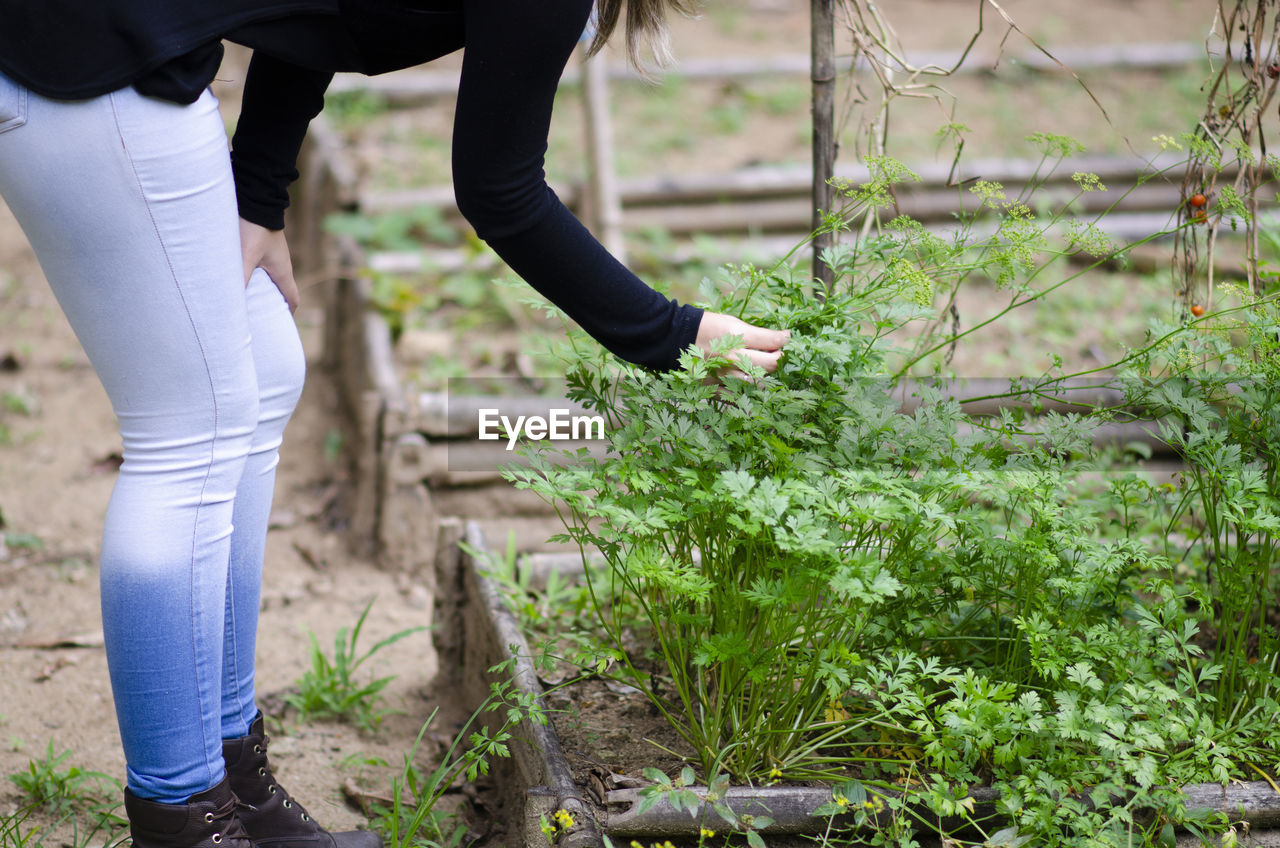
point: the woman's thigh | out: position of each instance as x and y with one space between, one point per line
129 204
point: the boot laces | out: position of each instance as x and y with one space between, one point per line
231 832
264 771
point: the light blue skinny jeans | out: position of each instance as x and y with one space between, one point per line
129 204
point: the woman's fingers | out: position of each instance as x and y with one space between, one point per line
764 339
760 345
269 250
287 285
764 359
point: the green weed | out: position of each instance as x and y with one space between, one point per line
20 403
60 790
413 819
402 229
24 541
60 798
331 688
558 614
15 832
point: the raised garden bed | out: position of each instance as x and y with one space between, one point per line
539 780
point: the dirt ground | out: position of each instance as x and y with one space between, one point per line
59 448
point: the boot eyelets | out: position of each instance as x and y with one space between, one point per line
305 817
217 839
272 789
287 803
208 818
257 749
262 772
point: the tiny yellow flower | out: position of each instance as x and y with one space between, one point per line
564 819
707 833
774 773
842 801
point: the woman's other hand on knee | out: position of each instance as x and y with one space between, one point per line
268 250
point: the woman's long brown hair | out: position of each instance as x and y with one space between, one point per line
646 26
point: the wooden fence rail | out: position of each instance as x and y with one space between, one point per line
1142 195
415 87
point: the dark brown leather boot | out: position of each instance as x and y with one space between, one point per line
272 818
208 820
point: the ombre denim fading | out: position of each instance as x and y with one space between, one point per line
129 204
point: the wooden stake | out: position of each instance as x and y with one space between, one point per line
822 18
603 199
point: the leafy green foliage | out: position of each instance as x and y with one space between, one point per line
403 229
828 587
1218 391
331 687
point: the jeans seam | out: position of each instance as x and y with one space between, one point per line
146 202
231 674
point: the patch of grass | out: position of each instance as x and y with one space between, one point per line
19 402
350 109
331 687
24 541
413 819
56 797
57 789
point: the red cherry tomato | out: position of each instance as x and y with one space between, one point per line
1197 310
1197 200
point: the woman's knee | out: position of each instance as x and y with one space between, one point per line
192 432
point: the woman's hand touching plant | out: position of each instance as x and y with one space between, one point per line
761 346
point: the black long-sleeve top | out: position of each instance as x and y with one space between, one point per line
515 52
